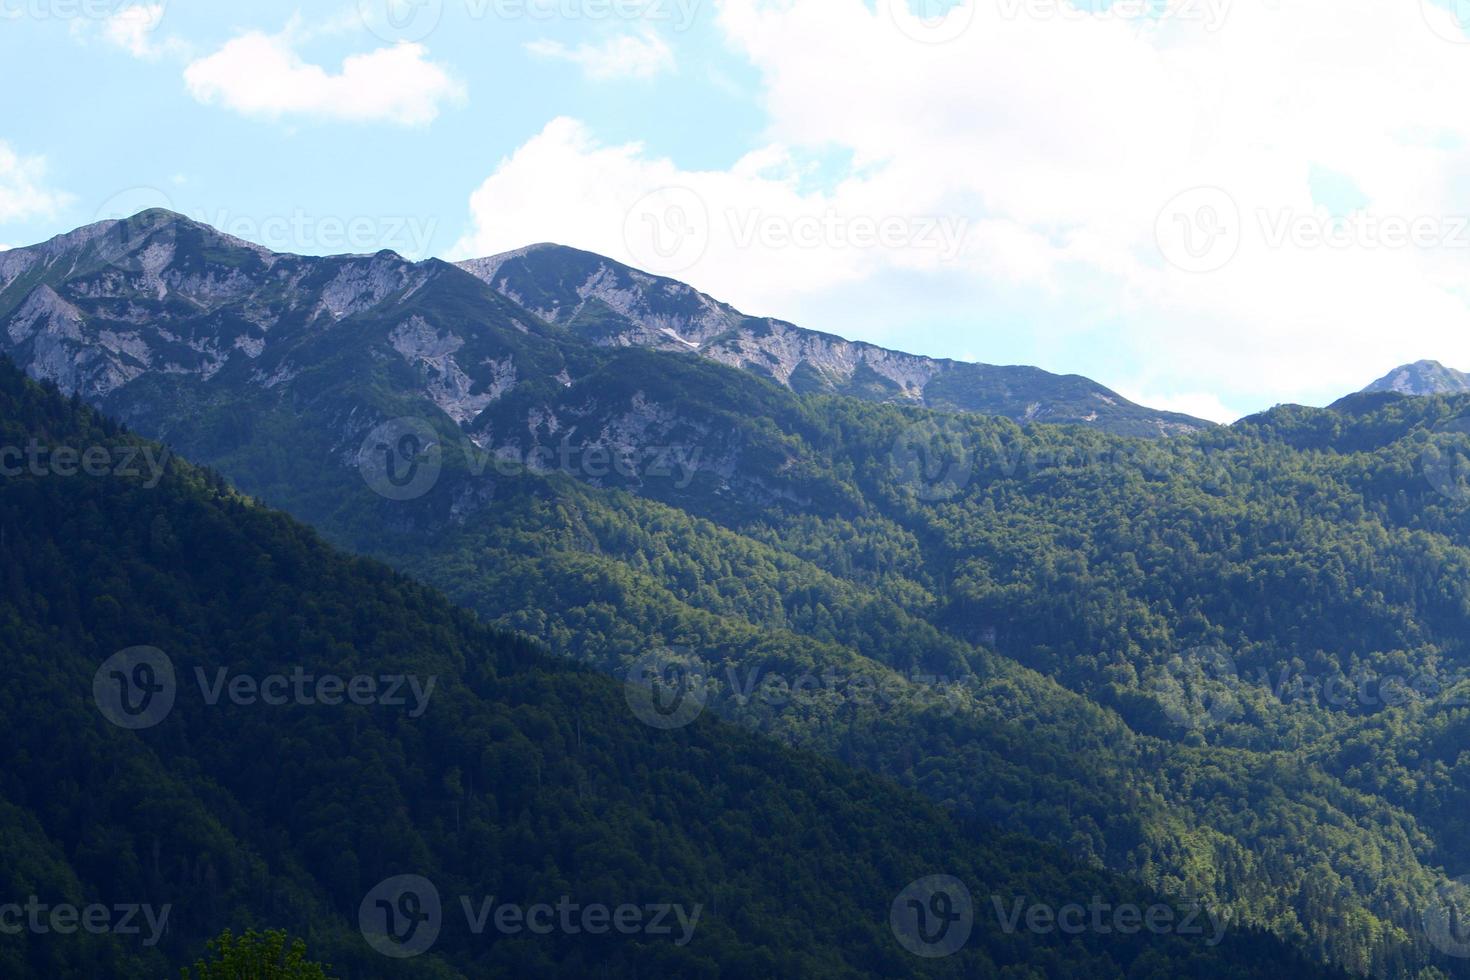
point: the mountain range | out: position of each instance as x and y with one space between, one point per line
1422 378
1162 657
254 317
610 304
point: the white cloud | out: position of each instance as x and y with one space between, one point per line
133 28
1202 405
23 193
717 226
1058 140
258 74
643 55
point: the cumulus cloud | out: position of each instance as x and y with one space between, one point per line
23 190
262 75
134 28
643 55
1069 146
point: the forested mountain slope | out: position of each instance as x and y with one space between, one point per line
1182 659
513 775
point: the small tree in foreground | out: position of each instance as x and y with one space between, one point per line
256 956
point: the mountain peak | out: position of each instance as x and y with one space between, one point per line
610 304
1422 378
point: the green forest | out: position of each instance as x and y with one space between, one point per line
1051 619
527 777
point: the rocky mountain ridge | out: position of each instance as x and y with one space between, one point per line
614 305
1422 378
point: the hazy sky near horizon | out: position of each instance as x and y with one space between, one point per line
1209 205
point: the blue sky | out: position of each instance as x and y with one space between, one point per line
1211 205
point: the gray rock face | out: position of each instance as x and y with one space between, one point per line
613 305
100 307
158 299
1422 378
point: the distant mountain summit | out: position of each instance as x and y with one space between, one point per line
1422 378
117 311
612 305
